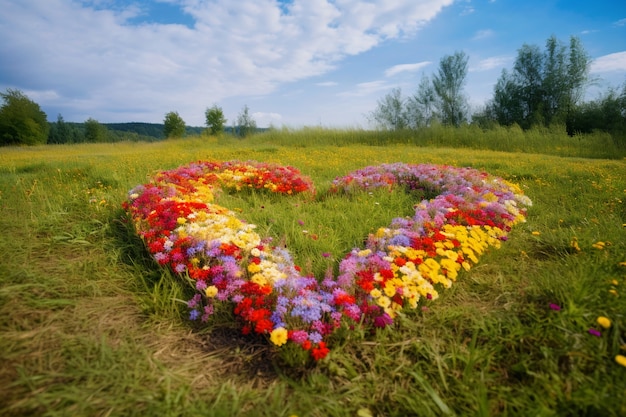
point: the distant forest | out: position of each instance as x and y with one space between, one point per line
93 131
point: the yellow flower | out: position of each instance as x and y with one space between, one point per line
604 322
254 268
383 301
181 220
211 291
535 233
279 336
599 245
621 359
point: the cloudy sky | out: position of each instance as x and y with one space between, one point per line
292 62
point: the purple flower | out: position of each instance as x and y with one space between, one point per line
594 332
555 307
382 321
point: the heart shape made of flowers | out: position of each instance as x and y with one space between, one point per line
185 229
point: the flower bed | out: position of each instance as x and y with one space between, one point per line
228 262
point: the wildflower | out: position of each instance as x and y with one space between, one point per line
320 351
599 245
278 336
621 359
536 233
211 291
604 322
555 307
594 332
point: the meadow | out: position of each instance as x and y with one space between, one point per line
90 325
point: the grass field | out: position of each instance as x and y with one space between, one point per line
91 326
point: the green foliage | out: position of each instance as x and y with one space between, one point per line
245 124
173 125
544 86
94 131
22 122
64 132
448 87
421 108
607 113
440 100
390 113
215 120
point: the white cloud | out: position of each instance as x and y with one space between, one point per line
326 84
491 63
396 69
621 22
96 58
366 89
609 63
264 119
483 34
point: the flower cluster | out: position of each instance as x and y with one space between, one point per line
227 261
401 264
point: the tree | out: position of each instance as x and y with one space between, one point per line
245 123
544 87
448 86
215 120
390 113
59 131
173 125
22 122
421 108
94 131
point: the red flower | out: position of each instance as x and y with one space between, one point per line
320 351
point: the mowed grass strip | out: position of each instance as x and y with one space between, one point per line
91 326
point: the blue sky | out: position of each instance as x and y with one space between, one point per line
293 63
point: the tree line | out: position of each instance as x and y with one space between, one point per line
544 88
22 122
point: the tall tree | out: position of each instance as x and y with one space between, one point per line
245 125
505 106
59 131
528 79
215 120
543 87
421 107
554 83
173 125
94 131
390 112
22 122
577 72
448 85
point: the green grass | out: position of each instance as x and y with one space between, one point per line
89 325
